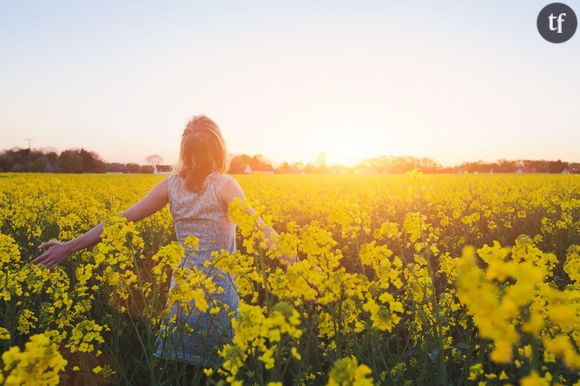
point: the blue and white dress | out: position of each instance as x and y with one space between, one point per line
204 216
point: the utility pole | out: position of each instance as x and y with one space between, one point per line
29 155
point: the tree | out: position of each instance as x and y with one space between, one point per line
39 164
70 161
260 164
286 167
321 160
556 166
92 162
133 168
116 167
238 163
316 168
154 159
147 169
52 157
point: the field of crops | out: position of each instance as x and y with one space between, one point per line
401 280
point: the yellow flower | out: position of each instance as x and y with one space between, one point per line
533 379
39 364
347 372
4 334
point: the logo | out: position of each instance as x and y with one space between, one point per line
557 22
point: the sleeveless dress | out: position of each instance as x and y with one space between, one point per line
204 216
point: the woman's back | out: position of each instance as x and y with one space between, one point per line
204 216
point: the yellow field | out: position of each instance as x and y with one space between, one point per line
402 279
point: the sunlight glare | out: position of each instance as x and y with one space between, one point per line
347 153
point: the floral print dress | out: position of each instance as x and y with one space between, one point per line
204 216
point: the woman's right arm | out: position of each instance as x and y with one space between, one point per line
59 251
233 190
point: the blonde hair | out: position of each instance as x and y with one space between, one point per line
203 151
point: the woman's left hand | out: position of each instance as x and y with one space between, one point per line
57 252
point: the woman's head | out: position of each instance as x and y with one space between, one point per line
203 151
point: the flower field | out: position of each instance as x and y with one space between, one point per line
401 280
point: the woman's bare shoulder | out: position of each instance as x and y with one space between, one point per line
230 189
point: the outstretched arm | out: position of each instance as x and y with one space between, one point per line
59 251
233 190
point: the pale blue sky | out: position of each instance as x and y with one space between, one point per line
452 80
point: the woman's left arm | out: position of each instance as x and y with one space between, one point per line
58 251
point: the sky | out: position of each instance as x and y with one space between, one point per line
451 80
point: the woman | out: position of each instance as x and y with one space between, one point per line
199 195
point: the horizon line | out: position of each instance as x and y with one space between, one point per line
278 163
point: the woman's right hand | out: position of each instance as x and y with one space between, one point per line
57 252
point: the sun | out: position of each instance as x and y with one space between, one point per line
347 153
343 159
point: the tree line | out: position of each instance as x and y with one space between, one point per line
85 161
68 161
